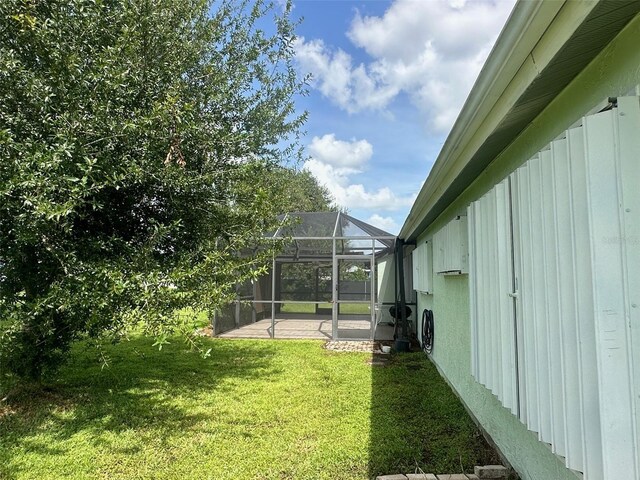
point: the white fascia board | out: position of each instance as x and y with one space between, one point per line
533 35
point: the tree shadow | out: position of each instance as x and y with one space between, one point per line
139 392
418 423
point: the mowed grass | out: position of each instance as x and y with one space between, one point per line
255 409
345 308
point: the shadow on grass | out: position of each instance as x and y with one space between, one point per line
417 421
140 391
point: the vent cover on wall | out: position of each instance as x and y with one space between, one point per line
450 247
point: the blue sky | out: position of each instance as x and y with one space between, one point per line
389 78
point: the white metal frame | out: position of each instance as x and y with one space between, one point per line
336 294
335 300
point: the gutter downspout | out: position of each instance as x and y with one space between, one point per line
403 343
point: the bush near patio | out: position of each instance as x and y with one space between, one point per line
132 134
254 409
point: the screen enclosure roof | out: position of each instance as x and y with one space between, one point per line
309 235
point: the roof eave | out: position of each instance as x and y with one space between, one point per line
540 27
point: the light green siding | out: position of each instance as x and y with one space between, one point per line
616 71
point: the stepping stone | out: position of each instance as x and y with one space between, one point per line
492 472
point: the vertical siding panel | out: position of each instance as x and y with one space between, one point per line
592 446
438 251
496 352
521 340
572 407
450 245
509 301
629 126
483 317
539 300
556 366
484 278
452 248
476 288
486 291
490 340
422 267
473 285
526 299
616 404
495 296
429 264
446 247
463 258
486 303
503 288
415 264
481 300
478 273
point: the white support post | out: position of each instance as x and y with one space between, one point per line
334 294
372 303
273 297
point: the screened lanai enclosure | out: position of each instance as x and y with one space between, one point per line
334 278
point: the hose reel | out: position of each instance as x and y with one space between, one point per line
427 331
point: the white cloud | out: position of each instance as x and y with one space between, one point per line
335 162
351 88
388 224
351 155
430 50
454 30
282 5
331 72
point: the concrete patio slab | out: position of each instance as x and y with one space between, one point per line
305 328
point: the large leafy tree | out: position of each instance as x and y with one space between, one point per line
130 135
296 191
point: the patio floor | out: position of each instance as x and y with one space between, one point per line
310 328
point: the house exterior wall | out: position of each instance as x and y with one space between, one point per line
613 73
386 280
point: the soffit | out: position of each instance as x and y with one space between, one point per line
602 24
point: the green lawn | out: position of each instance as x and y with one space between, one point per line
345 308
255 409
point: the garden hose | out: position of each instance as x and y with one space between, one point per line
427 331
